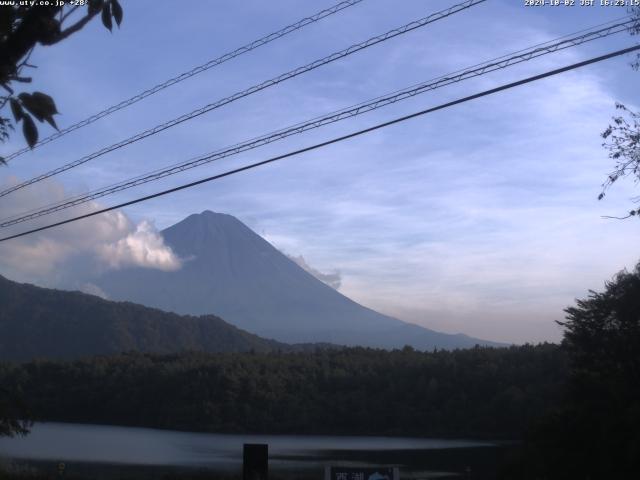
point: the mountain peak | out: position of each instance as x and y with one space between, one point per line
208 216
231 271
204 234
212 214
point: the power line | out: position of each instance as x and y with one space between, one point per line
374 104
194 71
332 141
256 88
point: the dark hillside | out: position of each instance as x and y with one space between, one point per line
44 323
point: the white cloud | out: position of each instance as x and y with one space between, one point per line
64 256
93 289
143 247
333 279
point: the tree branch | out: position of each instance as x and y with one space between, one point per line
616 218
66 15
36 25
76 27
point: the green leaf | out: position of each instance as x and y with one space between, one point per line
31 105
106 15
41 106
16 109
95 6
29 130
116 10
45 102
50 120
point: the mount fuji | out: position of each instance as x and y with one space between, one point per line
230 271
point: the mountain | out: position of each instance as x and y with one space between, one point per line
44 323
232 272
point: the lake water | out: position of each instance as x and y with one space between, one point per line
99 444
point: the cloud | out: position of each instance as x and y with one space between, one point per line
66 256
93 289
334 279
144 247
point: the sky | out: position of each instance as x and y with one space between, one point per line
482 218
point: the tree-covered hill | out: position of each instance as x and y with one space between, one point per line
43 323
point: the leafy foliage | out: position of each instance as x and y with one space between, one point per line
595 432
635 30
602 332
622 138
22 28
485 392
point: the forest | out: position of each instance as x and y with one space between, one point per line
480 392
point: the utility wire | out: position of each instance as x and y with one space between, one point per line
194 71
332 141
374 104
256 88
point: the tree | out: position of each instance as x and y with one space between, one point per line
22 28
595 432
602 332
622 137
602 338
635 30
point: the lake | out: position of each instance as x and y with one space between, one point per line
304 455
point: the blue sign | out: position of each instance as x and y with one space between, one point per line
361 473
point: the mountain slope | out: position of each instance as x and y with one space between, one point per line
233 272
44 323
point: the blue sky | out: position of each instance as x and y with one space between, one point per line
480 219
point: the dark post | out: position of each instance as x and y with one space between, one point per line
255 461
